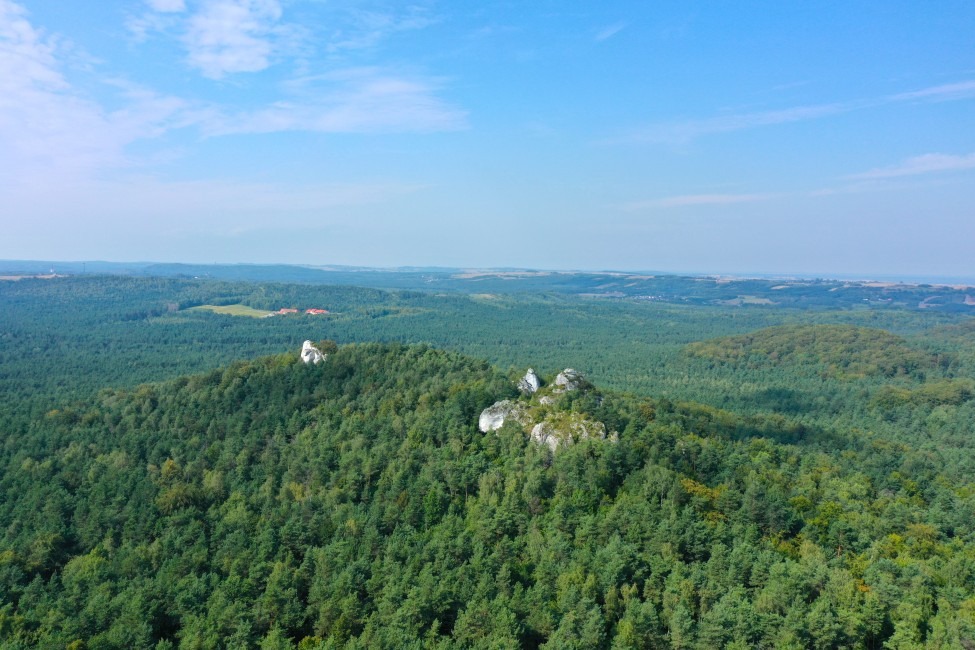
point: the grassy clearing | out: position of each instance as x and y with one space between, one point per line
232 310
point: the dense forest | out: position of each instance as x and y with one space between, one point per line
69 337
355 504
778 478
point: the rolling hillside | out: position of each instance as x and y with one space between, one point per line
356 504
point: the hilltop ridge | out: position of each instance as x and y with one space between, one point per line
669 288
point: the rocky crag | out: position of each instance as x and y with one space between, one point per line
530 383
541 417
311 354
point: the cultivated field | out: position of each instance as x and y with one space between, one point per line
233 310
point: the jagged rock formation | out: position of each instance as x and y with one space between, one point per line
565 429
568 379
311 354
530 383
493 417
540 416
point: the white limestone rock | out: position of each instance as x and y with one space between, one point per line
530 383
544 434
493 417
568 379
564 430
311 354
541 416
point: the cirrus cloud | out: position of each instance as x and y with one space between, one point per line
51 130
682 131
167 6
928 163
357 100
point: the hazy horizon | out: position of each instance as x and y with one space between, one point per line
830 276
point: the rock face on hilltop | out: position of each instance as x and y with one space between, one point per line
493 417
564 429
311 354
569 379
530 383
541 417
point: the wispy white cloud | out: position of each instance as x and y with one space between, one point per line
41 122
231 36
167 6
946 92
609 32
227 37
146 23
683 131
685 200
50 129
158 16
360 29
27 55
925 164
224 37
358 100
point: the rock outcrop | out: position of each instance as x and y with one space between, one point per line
567 429
493 417
569 379
530 383
541 417
311 354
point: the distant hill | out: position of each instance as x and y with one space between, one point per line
841 351
747 293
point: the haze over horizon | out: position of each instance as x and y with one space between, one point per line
743 138
43 267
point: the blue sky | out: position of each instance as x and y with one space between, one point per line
815 138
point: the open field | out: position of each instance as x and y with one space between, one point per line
233 310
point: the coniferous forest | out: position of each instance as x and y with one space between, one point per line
172 477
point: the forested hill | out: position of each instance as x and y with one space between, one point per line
842 351
948 296
355 503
